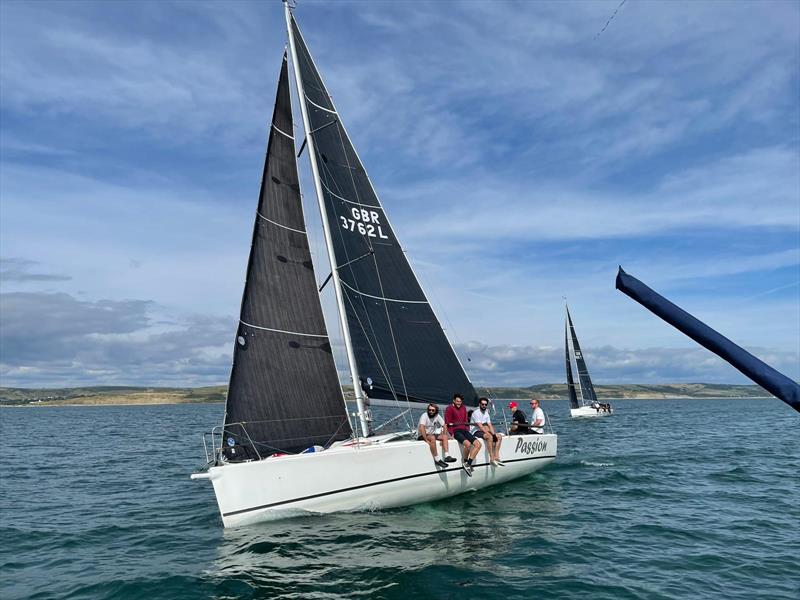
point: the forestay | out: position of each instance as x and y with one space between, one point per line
399 346
284 389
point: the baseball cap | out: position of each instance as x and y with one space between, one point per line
512 405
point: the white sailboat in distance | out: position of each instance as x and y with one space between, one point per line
288 444
582 397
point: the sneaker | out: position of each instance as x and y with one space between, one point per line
494 462
449 459
441 463
500 463
467 469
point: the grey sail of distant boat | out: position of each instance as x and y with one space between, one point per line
585 387
573 396
399 348
764 375
283 369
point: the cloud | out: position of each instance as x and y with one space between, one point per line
508 365
55 339
19 269
519 156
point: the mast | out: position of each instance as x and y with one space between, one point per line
573 398
351 360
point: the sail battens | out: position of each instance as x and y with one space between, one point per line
310 101
344 283
315 335
280 375
396 339
279 130
338 197
281 224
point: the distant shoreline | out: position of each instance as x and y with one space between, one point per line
499 401
140 396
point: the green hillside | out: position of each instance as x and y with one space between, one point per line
143 395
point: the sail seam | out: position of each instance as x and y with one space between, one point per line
280 225
310 101
291 137
322 335
344 283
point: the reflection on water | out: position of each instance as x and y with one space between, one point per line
668 499
324 551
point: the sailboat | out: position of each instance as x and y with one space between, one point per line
582 397
289 444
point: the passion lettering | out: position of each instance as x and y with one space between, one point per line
530 447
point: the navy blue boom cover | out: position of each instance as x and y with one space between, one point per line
760 372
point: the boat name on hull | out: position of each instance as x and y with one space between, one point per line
533 447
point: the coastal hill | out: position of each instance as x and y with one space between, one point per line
558 391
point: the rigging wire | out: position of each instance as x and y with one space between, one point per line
611 18
379 358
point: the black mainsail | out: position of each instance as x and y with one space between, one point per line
284 393
588 395
573 397
399 346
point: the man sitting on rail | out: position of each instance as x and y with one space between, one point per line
432 426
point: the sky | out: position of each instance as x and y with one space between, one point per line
523 150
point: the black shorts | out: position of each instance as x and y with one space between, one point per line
462 435
481 436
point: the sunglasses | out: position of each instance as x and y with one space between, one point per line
484 405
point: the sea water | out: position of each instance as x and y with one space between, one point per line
664 499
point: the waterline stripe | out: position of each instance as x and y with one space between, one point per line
283 330
366 485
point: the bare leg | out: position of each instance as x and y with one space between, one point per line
443 440
466 451
475 448
489 445
497 447
432 445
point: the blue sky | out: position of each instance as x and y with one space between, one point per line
520 155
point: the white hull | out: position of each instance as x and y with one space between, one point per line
367 476
588 411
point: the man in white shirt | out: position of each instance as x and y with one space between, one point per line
432 425
537 420
481 426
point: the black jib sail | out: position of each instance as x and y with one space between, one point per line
400 348
573 397
284 393
760 372
587 389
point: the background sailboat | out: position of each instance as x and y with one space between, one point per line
582 397
287 443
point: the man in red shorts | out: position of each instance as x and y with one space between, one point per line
457 424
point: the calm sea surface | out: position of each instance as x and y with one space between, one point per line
666 499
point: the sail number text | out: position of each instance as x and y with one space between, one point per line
366 222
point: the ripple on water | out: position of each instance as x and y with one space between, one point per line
629 510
